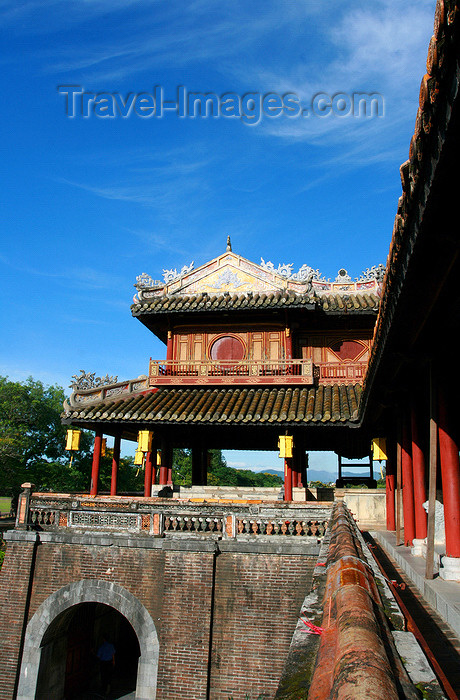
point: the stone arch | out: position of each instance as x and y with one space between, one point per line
92 591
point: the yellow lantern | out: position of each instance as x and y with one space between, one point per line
286 446
379 449
73 440
138 458
144 440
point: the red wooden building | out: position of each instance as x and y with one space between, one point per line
253 352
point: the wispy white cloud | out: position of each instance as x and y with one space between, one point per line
162 33
155 242
344 47
21 17
376 49
82 277
182 34
174 185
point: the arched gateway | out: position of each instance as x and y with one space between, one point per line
91 591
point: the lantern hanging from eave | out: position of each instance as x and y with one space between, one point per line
379 449
73 440
286 446
138 458
144 440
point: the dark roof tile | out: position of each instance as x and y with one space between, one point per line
175 303
329 404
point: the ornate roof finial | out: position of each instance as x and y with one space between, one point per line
229 245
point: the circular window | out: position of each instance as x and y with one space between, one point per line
347 349
227 348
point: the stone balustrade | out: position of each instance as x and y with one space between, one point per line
176 518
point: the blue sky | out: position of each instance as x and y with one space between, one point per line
89 203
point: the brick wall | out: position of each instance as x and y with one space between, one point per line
250 600
184 637
14 585
257 602
174 586
140 571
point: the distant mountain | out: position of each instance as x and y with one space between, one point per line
321 475
324 476
312 474
272 471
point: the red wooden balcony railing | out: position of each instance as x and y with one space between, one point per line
340 372
226 372
254 372
230 372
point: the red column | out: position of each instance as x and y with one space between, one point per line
418 468
302 460
297 474
163 478
450 473
299 456
154 463
390 479
407 485
115 465
168 457
96 462
288 479
298 480
148 474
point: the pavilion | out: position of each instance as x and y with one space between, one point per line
254 353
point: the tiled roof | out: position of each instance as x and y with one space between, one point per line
174 303
437 97
334 404
350 303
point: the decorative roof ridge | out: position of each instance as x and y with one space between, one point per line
88 389
339 287
230 272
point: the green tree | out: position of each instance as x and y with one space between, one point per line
32 448
182 467
219 473
32 440
130 478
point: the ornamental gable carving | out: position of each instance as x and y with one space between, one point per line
231 273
